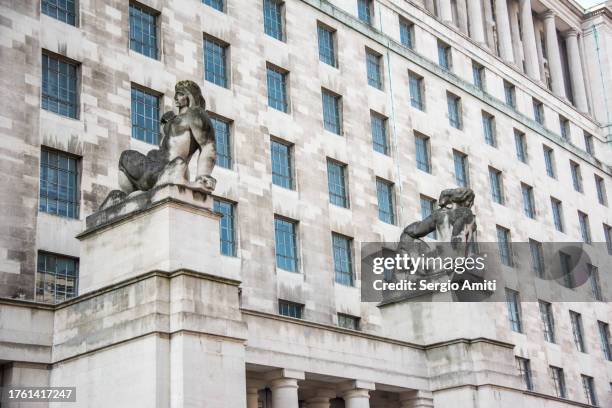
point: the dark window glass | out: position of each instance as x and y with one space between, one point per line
222 136
565 261
384 192
62 10
286 244
558 379
585 229
416 91
380 140
478 75
514 310
557 211
364 11
282 174
374 69
327 47
59 86
565 128
336 180
510 94
528 201
343 263
600 187
495 179
273 19
428 205
215 62
454 110
549 162
576 176
538 111
604 336
226 227
524 368
422 153
595 283
588 143
59 184
444 56
521 148
331 112
407 33
57 278
145 116
589 390
277 89
461 169
348 322
537 258
290 309
216 4
503 242
143 31
578 331
488 126
548 321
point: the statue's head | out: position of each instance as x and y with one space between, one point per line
191 91
460 197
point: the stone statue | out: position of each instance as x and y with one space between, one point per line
181 135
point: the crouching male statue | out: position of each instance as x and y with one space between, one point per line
181 135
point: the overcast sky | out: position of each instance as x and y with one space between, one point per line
589 3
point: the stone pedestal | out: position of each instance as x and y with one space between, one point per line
166 229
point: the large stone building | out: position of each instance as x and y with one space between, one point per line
338 122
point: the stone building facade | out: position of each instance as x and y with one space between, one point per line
400 96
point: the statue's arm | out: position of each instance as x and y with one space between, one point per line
204 135
419 229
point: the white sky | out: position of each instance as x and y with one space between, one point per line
589 3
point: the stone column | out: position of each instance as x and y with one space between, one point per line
446 11
489 23
284 393
416 399
356 398
462 15
538 39
516 34
576 74
430 6
530 50
554 55
475 19
252 397
504 35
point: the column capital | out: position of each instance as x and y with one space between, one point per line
548 14
416 398
572 32
356 393
356 384
283 383
282 373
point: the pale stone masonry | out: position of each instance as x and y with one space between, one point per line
208 333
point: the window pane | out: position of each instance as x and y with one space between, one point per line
59 194
286 250
215 62
57 278
63 10
379 134
374 69
273 19
145 116
343 264
386 211
143 31
331 112
226 227
59 84
216 4
282 174
277 89
337 184
422 153
327 52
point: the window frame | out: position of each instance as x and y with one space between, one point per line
37 277
337 108
225 47
345 199
294 233
389 195
278 33
288 166
151 93
348 254
155 14
77 183
332 48
232 244
76 105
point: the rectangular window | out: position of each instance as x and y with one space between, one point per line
558 378
608 236
600 187
428 206
407 33
223 139
604 336
348 322
273 19
524 368
445 56
576 176
286 244
226 227
327 45
549 161
488 126
514 310
62 10
59 86
565 261
520 144
386 205
478 75
290 309
454 110
374 68
565 128
216 4
537 258
277 88
538 111
585 229
364 11
416 91
589 390
503 243
461 169
380 140
215 61
548 321
143 30
528 201
343 259
595 283
557 211
332 119
145 115
336 181
423 159
282 169
495 180
57 278
588 143
510 94
577 331
59 184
